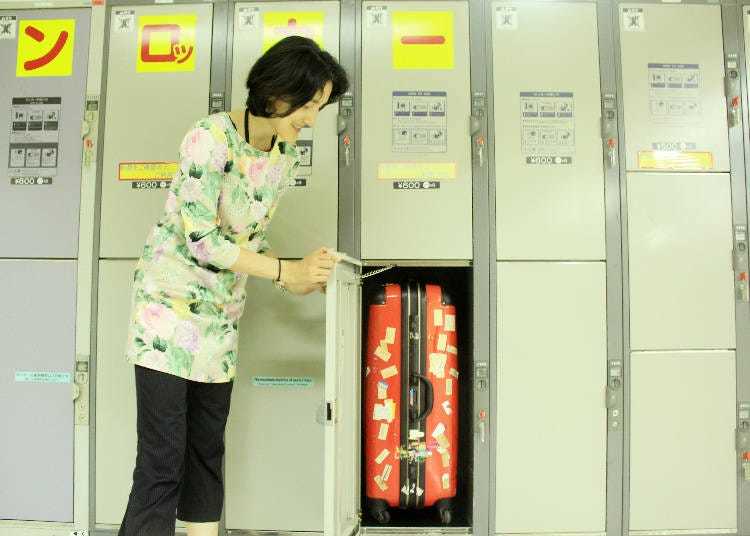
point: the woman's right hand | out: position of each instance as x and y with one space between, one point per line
309 274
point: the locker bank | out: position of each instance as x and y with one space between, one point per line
573 174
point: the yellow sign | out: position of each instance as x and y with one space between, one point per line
280 24
45 47
676 160
147 171
166 43
422 40
416 171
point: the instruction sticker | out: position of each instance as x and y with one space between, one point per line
547 127
422 40
42 377
8 27
277 25
45 47
166 43
124 21
419 122
674 90
282 381
506 18
248 18
633 19
33 152
377 16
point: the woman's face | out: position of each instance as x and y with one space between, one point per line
288 128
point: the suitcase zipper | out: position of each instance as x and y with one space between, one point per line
405 392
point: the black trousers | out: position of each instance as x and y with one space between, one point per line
178 468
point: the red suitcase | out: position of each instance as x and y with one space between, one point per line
411 401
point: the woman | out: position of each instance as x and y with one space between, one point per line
189 284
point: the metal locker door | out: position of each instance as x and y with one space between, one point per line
552 430
683 475
116 432
416 191
680 269
275 433
44 68
152 98
37 327
307 215
548 138
115 393
342 454
673 87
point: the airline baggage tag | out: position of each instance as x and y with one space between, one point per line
446 481
379 481
387 472
439 431
382 456
442 342
382 352
438 317
447 407
390 335
415 434
451 349
448 387
446 457
382 390
437 364
389 372
450 323
385 411
383 434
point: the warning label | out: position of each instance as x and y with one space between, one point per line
420 122
547 127
33 153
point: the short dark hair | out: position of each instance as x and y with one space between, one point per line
293 70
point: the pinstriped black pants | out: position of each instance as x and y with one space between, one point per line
178 471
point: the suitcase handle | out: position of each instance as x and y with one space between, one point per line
429 396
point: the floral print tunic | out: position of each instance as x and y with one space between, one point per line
186 302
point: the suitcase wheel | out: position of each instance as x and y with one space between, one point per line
446 516
379 510
445 510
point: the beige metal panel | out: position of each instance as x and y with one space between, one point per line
415 223
275 433
147 115
660 48
552 435
116 436
680 249
307 217
115 394
683 468
549 173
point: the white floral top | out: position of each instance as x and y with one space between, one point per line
186 303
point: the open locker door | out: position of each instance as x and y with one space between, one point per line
342 393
